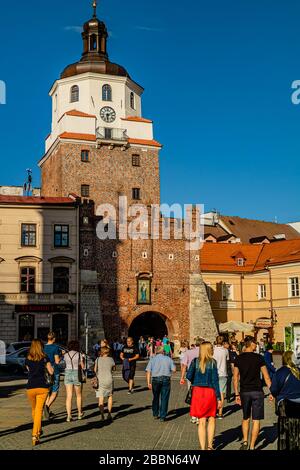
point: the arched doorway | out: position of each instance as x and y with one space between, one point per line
148 324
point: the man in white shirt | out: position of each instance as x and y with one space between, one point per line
221 355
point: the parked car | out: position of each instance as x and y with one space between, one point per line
14 347
15 361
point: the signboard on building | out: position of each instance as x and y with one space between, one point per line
264 323
49 308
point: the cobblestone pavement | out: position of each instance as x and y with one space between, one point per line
133 427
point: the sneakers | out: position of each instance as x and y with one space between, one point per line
130 392
109 418
244 446
194 420
220 417
80 416
69 419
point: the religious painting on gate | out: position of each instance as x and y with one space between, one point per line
144 292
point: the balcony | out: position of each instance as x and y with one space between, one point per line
112 136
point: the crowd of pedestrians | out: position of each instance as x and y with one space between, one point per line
207 369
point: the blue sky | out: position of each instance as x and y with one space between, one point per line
217 77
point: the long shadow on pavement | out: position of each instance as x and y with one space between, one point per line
7 391
174 414
227 436
267 436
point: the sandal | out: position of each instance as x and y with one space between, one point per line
35 441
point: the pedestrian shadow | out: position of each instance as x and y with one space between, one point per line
7 391
174 414
227 436
89 426
231 409
267 436
21 428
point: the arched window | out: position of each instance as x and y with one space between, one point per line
74 94
106 93
132 100
93 42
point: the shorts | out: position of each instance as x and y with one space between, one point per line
132 370
71 378
253 402
55 387
222 384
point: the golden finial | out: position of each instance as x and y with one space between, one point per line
95 8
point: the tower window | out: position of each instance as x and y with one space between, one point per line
93 42
136 194
136 160
132 100
74 94
85 190
85 155
106 93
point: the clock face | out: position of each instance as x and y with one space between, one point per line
108 114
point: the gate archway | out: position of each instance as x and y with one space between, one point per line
148 324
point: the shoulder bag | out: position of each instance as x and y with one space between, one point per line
188 398
95 381
49 378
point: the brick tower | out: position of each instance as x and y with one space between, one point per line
100 147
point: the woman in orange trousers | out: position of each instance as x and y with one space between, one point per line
37 364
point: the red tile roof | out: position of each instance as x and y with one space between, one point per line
245 229
215 257
137 119
31 200
152 143
76 113
75 136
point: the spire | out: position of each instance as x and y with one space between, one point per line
95 9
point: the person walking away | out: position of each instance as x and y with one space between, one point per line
247 370
233 354
167 349
229 373
206 396
37 388
221 356
182 350
129 356
268 357
74 360
53 352
159 371
142 347
286 389
150 348
188 358
104 367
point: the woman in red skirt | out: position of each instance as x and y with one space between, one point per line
206 396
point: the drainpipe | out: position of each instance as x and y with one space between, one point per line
242 301
77 270
271 302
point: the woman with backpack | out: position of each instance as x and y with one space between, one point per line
286 389
38 366
74 361
206 396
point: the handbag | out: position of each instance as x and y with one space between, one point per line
49 378
188 398
81 372
95 380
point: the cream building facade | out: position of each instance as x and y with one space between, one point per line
39 275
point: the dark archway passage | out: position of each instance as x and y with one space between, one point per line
148 324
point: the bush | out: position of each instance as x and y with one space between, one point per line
278 347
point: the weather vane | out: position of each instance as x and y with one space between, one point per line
95 8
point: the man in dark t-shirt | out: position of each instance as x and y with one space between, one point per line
129 356
248 368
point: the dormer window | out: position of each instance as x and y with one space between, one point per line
74 94
106 93
241 262
132 100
